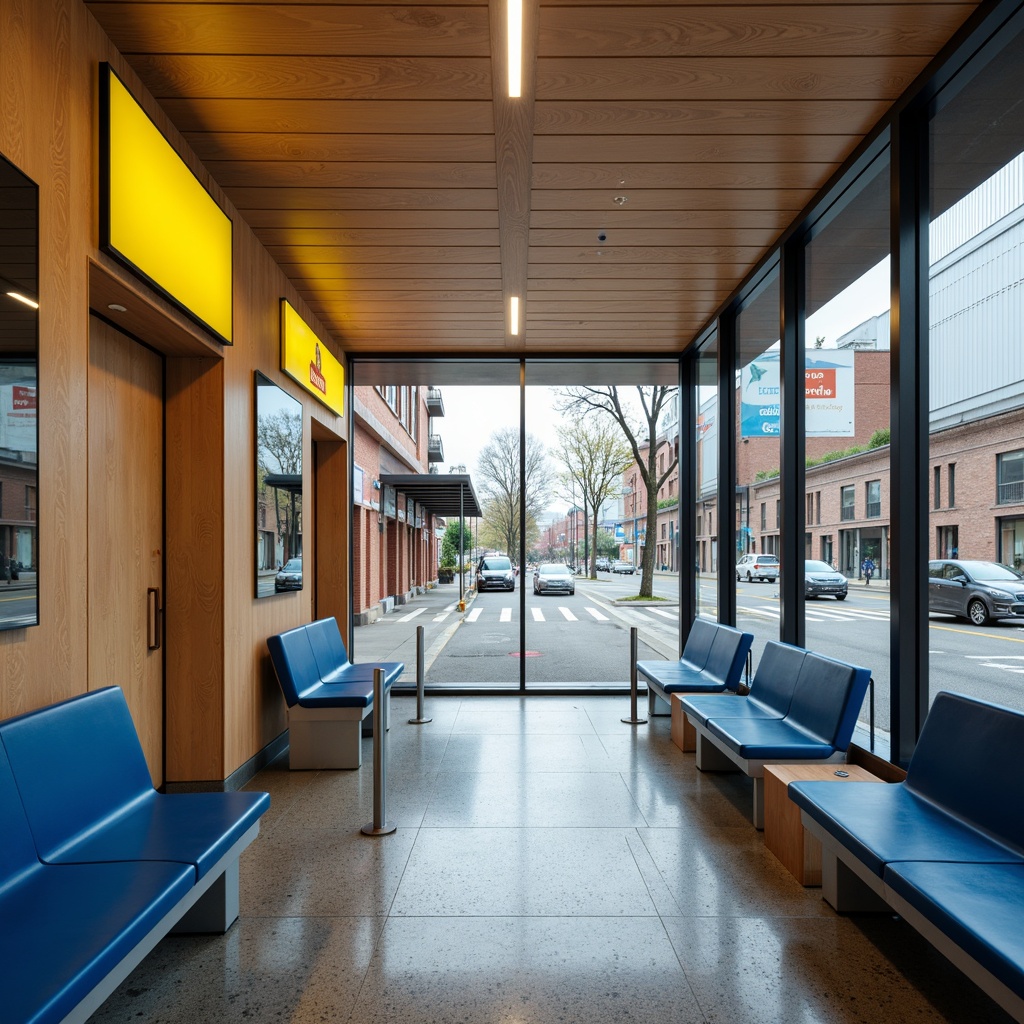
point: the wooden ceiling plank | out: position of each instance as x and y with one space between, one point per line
754 116
626 176
277 174
316 78
726 78
426 254
297 29
693 148
328 201
350 148
373 219
617 237
794 30
351 116
377 237
624 217
670 199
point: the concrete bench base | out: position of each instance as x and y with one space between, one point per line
329 738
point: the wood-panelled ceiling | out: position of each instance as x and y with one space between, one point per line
374 150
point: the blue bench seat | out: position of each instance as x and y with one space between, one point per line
93 872
944 848
712 662
817 726
328 696
771 689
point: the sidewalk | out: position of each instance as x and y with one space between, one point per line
393 636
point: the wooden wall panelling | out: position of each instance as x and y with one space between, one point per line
195 571
332 517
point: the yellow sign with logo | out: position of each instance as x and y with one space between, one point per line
156 216
306 360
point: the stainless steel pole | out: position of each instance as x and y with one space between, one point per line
379 826
419 719
633 719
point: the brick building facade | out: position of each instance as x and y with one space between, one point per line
395 541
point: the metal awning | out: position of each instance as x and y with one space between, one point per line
438 493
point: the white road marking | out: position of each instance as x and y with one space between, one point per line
597 615
568 614
412 615
474 615
538 615
506 614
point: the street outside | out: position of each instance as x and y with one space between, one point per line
582 640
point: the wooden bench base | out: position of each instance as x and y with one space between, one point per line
684 736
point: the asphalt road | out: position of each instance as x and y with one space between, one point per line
584 639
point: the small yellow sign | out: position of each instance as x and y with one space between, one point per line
308 362
159 219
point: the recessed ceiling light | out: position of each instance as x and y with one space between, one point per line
515 48
23 299
513 315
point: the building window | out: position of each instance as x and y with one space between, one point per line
1010 478
951 484
847 502
778 513
873 496
764 516
937 487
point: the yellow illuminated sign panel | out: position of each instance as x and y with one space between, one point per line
306 360
159 219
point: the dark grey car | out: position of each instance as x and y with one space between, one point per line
976 591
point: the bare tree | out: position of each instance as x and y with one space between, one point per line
279 452
498 470
641 432
594 454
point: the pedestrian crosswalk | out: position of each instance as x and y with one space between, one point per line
815 612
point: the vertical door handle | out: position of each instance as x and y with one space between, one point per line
154 619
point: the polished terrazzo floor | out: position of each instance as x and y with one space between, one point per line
550 864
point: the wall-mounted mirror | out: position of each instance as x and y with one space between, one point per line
278 489
19 434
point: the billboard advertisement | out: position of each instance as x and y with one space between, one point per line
828 393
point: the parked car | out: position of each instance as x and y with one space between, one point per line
553 578
976 591
820 579
289 577
761 567
623 567
495 572
604 564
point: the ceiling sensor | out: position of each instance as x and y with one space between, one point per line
620 200
117 307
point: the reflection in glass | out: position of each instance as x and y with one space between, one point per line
976 380
19 466
758 456
278 489
706 478
846 497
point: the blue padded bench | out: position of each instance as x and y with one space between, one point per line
712 662
816 727
96 866
327 695
771 689
945 848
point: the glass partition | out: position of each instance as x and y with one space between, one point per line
705 470
19 433
846 499
976 382
758 501
278 490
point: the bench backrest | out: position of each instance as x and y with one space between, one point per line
76 763
698 642
17 850
967 760
294 662
328 647
775 679
827 699
727 655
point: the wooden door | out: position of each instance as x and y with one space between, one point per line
126 510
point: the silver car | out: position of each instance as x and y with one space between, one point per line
820 578
976 591
553 578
